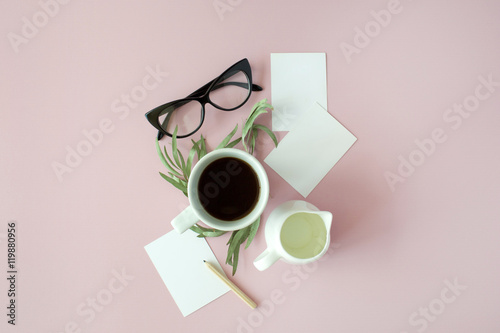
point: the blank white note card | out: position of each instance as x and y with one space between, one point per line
178 258
297 81
313 146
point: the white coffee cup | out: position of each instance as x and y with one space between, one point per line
196 211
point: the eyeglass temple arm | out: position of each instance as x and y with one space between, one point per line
256 87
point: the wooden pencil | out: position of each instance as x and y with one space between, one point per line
232 286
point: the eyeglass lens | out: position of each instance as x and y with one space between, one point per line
229 92
186 116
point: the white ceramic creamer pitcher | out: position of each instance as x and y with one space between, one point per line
297 232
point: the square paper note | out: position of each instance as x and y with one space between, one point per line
313 146
179 261
297 81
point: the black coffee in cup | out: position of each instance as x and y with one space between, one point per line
228 188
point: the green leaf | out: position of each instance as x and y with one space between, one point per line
206 232
254 137
203 229
164 161
268 131
196 146
233 143
169 159
178 184
200 147
253 231
238 234
183 164
230 249
250 121
247 132
189 162
237 240
203 148
259 105
231 238
196 228
258 109
174 148
162 157
242 236
235 260
224 142
195 143
215 233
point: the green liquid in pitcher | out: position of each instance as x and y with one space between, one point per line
303 235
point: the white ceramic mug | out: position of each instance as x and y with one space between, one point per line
196 211
297 232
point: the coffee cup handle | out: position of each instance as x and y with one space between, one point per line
265 259
185 220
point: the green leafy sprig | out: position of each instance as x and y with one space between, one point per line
250 130
179 171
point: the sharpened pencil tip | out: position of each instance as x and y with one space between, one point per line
204 260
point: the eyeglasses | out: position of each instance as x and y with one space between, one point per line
227 92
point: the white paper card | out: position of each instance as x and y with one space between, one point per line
179 261
297 81
313 146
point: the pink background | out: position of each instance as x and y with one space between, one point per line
394 253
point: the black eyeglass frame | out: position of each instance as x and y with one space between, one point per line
202 96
